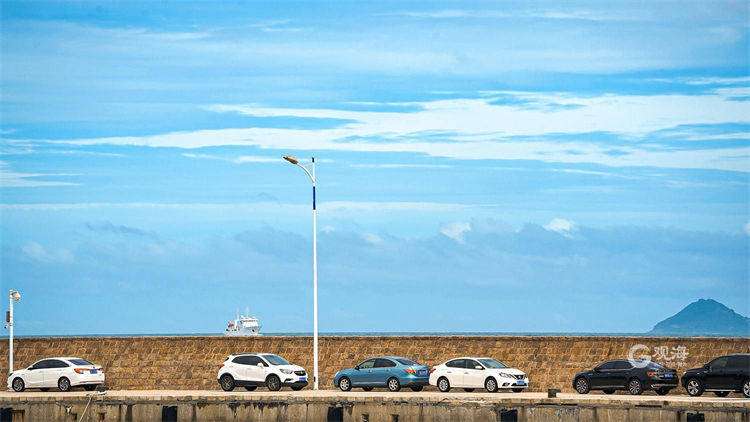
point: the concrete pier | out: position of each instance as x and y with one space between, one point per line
375 406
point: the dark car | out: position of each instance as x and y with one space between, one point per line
633 375
721 376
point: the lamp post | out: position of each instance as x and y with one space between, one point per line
13 296
292 159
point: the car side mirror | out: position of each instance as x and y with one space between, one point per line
30 368
260 365
705 366
478 367
356 368
597 370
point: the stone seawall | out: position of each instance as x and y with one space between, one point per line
179 363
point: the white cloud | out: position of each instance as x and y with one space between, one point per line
10 179
747 228
372 239
330 207
455 230
400 166
238 160
482 129
562 226
39 253
551 14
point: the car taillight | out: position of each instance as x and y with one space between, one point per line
80 371
652 374
221 366
410 371
432 370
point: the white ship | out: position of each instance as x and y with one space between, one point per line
243 325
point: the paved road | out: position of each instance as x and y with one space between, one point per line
733 399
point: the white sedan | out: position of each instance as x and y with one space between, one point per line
471 372
63 373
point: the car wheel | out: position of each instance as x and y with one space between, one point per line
18 385
468 390
662 391
345 384
394 384
490 385
609 391
746 388
88 387
297 388
443 385
227 382
273 383
250 387
367 388
416 388
582 386
635 387
721 393
63 384
694 387
517 390
44 390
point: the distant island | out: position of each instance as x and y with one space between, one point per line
705 317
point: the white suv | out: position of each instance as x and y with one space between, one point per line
63 373
470 373
252 370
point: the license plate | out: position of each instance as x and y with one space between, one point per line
93 371
668 375
422 372
521 383
303 378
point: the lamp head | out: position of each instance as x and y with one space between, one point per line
17 296
292 159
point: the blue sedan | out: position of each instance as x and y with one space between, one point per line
385 371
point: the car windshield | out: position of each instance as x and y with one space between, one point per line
276 360
492 363
405 361
654 365
79 362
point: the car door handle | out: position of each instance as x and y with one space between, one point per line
466 373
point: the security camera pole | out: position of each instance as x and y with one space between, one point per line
13 296
292 159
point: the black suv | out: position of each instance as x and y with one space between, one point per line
721 376
633 375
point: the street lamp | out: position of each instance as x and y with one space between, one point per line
13 296
292 159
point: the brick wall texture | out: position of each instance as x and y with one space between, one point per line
179 363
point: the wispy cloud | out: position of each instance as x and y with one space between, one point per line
550 14
402 166
328 206
11 179
481 128
277 25
238 160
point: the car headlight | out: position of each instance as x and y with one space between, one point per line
286 371
506 375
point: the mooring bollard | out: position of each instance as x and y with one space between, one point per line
552 393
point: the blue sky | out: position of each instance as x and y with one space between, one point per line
488 166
